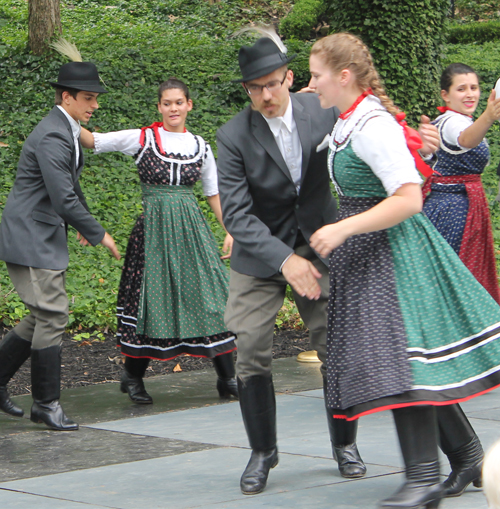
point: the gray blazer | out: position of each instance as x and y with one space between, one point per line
46 196
260 204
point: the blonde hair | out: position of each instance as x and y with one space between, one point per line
491 476
346 51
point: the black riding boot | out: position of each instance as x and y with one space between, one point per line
14 350
343 438
462 446
258 408
132 380
345 451
417 432
226 381
46 389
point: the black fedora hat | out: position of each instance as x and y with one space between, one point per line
262 58
80 76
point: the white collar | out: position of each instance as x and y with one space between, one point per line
286 120
76 128
345 127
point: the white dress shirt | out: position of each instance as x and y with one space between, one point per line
76 129
287 138
285 133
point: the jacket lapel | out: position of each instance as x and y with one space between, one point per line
303 122
265 137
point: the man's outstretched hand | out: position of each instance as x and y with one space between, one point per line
108 242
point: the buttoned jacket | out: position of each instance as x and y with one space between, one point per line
45 198
261 206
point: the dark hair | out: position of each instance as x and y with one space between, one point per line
59 92
451 71
173 83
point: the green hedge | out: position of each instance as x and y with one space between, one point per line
406 39
302 19
478 32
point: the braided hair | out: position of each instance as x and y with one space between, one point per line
346 51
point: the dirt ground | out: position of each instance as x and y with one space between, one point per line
87 363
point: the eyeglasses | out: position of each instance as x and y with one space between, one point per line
272 86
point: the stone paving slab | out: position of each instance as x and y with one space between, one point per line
18 500
210 479
47 452
188 480
188 450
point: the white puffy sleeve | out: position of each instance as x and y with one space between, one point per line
209 174
453 127
381 145
126 142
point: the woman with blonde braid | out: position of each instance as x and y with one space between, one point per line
410 329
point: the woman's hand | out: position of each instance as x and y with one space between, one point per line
429 135
227 247
493 107
327 238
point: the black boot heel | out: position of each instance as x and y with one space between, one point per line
433 505
254 478
226 382
227 388
134 387
421 489
343 439
14 351
52 415
466 465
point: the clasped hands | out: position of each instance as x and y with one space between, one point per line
300 273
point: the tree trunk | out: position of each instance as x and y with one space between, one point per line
44 20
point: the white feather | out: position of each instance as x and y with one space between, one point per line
67 49
264 31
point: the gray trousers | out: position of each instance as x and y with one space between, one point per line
44 294
251 314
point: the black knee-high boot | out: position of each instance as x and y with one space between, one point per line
343 438
46 389
226 381
258 408
14 351
462 446
417 432
132 380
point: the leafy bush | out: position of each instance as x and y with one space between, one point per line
304 16
471 10
478 32
414 32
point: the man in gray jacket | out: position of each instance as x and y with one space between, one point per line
45 199
275 193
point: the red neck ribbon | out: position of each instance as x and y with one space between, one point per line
347 113
414 142
444 109
155 126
